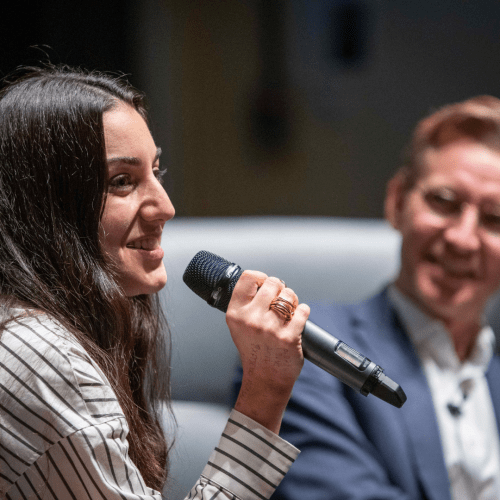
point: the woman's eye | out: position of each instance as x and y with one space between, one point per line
443 202
159 174
121 183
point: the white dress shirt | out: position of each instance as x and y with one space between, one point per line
464 411
63 435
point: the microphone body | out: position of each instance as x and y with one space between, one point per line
214 278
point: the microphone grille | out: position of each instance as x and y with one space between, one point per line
203 274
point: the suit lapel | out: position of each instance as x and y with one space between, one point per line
493 378
382 332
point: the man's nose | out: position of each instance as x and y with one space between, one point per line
462 232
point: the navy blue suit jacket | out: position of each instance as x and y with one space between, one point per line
356 447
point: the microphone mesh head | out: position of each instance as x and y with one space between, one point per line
204 273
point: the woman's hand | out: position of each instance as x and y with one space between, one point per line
270 347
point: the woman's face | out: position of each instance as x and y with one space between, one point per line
136 206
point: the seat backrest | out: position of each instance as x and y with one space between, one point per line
321 258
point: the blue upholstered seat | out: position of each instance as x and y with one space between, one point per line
321 258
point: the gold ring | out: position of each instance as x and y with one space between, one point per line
283 307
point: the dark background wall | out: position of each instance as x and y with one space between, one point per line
96 34
274 107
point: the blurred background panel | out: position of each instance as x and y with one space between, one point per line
94 34
277 107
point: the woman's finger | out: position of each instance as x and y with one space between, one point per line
270 289
284 304
246 288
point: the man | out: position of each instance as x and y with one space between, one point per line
426 329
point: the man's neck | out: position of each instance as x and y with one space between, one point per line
464 335
463 328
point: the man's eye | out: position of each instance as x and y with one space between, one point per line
443 202
491 221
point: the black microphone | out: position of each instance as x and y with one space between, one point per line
213 279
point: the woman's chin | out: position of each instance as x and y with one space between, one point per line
145 287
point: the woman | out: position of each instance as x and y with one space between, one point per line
82 345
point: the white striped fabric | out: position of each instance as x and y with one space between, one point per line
63 434
260 459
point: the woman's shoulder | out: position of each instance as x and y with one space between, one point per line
38 348
49 386
32 323
37 344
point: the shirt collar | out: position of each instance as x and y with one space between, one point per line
431 338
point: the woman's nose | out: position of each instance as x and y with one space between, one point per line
157 205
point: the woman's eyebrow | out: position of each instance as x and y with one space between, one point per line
131 160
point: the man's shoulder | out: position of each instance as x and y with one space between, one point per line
334 316
494 365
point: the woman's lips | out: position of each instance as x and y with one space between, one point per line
147 247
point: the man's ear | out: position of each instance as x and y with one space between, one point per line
394 199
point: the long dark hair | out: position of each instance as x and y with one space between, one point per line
52 193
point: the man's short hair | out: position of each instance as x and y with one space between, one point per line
477 118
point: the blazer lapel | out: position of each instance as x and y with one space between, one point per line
394 351
493 378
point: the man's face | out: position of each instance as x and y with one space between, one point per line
450 226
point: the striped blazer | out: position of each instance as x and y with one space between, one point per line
63 434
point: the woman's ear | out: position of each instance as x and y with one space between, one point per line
394 199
